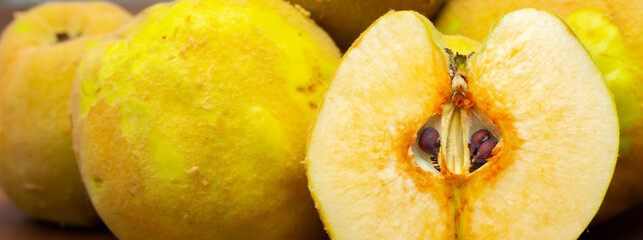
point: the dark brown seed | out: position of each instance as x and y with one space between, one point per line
430 141
476 139
479 161
474 167
485 149
476 163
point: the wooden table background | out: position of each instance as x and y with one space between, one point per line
14 225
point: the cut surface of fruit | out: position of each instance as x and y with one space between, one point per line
612 31
527 143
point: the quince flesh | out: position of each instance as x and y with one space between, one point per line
532 85
613 33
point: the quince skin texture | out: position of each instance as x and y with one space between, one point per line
39 52
195 126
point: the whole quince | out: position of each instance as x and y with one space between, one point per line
195 126
39 53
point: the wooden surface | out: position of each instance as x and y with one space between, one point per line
15 225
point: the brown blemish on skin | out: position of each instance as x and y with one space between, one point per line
307 90
62 37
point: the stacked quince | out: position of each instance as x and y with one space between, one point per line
194 127
39 53
194 119
190 121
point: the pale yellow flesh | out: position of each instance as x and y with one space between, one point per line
532 78
612 31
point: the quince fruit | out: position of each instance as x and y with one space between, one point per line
416 139
195 126
612 32
39 53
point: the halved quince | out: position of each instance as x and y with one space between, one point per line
416 140
612 32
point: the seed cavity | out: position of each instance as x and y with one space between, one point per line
460 137
463 146
427 144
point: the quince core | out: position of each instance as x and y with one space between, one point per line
612 32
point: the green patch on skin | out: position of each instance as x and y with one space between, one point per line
167 163
461 45
454 23
91 44
92 90
89 91
605 42
294 64
21 28
268 130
